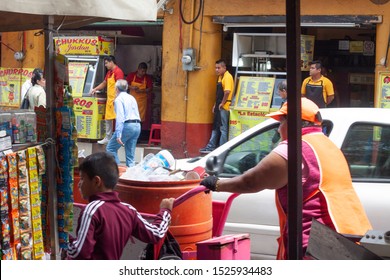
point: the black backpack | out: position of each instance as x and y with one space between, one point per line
166 249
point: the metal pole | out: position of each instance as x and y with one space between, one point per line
293 41
50 121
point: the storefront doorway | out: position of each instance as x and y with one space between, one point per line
347 51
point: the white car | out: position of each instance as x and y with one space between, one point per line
363 134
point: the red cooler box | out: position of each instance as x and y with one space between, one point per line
226 247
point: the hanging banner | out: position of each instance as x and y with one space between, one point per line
384 89
11 81
307 51
254 93
88 45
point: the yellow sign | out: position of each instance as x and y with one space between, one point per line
254 93
89 45
384 88
307 51
89 113
11 81
356 46
77 74
241 121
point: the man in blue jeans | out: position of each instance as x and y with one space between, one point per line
127 126
224 92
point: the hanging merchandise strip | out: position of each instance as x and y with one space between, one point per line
13 202
35 199
67 154
24 208
22 203
6 248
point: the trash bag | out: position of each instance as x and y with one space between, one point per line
166 249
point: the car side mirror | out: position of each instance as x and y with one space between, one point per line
212 165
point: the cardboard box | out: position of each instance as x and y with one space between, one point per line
226 247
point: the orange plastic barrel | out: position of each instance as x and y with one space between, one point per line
191 221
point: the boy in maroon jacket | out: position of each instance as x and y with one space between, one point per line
106 224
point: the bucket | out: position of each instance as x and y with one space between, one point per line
191 221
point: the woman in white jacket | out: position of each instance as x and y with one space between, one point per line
37 94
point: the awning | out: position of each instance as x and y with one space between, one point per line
21 15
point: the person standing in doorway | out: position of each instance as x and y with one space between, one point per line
224 92
127 125
317 87
114 73
140 85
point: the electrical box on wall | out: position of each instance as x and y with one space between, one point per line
188 59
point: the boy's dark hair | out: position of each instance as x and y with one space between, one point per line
101 164
110 58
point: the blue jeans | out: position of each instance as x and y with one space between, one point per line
130 134
220 137
224 126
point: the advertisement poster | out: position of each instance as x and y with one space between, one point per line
77 74
11 81
254 93
88 45
241 121
384 88
89 113
307 51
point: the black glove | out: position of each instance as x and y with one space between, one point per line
210 182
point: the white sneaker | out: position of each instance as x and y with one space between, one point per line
104 141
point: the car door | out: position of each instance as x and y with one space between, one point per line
367 150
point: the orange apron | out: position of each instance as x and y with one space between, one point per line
110 110
141 98
347 214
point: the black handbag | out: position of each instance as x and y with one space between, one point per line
25 102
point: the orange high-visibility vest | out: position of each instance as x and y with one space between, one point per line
344 207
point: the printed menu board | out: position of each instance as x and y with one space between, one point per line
254 93
77 74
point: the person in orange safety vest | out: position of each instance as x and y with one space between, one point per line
328 195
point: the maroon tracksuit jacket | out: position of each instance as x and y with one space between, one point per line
106 224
